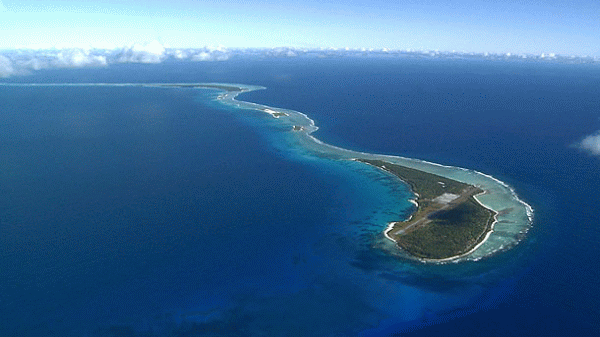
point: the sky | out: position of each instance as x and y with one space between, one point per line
515 26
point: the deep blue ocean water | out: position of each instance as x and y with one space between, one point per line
153 212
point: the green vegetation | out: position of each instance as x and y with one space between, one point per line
450 233
426 185
447 222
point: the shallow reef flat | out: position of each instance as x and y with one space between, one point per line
498 218
447 222
461 214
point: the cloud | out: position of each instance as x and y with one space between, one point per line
591 144
210 56
179 54
2 8
218 53
77 58
203 56
153 52
282 52
24 60
32 64
6 66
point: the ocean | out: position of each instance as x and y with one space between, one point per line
139 211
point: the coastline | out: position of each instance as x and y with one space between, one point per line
501 196
391 225
488 233
351 155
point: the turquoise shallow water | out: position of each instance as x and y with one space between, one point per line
514 218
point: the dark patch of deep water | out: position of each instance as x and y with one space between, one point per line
144 211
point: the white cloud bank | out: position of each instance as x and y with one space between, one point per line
77 58
27 59
591 144
6 67
153 52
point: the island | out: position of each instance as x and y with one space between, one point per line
447 222
275 114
